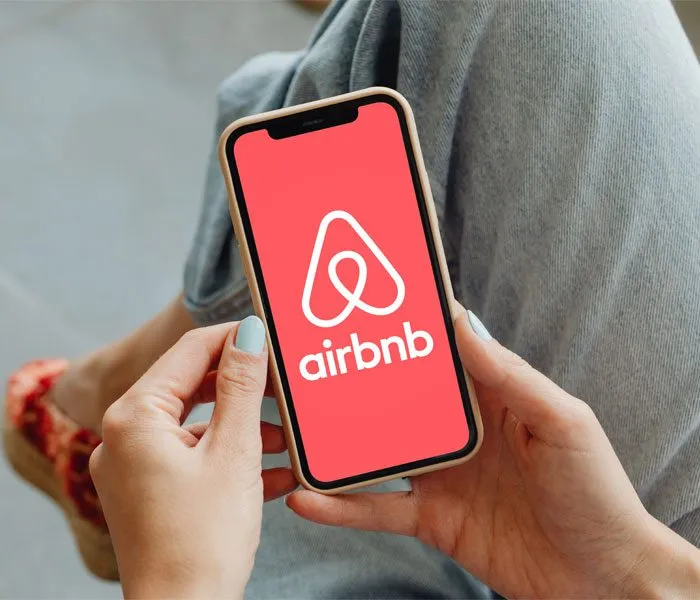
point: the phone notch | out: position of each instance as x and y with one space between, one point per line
313 120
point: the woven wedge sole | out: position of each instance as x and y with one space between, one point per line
94 543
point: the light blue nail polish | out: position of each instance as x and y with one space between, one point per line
478 327
250 336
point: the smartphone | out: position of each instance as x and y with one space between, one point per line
333 215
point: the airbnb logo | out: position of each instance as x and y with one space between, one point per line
361 355
354 298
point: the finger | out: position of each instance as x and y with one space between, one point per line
392 512
205 394
270 388
533 398
95 464
207 390
240 383
269 385
175 377
273 440
278 482
196 429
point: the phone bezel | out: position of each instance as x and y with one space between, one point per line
297 124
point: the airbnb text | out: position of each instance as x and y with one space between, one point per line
365 355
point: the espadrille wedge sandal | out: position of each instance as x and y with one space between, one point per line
51 452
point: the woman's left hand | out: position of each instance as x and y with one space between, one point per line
184 503
545 508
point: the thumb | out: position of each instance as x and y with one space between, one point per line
240 385
533 399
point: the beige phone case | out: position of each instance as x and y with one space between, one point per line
255 292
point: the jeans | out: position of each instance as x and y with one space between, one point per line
562 142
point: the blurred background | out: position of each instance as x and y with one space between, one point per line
106 125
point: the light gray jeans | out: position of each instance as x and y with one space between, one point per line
562 140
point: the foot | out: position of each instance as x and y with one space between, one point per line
90 385
53 421
83 393
51 452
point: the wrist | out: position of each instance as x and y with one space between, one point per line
184 579
668 567
191 588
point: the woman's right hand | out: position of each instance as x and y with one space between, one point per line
544 508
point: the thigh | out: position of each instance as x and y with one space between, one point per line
575 203
299 559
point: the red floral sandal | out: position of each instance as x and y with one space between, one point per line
51 452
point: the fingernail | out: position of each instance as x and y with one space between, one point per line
250 336
478 327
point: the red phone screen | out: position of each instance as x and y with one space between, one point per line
352 292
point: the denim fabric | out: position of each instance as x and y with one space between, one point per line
562 142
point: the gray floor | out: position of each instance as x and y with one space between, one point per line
105 125
106 113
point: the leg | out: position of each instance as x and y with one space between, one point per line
91 384
559 141
53 411
299 559
575 212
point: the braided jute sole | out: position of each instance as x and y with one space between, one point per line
94 543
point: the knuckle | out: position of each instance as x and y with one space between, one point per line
95 462
583 413
576 421
239 380
515 362
117 421
191 339
191 336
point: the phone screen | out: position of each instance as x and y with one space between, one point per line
343 255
